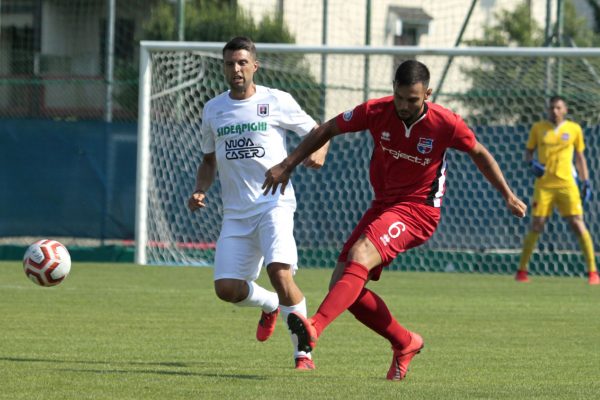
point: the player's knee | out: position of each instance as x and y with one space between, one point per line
230 291
363 252
280 275
537 225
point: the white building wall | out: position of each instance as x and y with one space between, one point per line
346 26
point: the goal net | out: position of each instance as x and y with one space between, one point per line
500 92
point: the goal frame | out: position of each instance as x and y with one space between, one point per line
145 79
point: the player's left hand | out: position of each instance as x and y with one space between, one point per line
516 206
586 192
275 176
317 159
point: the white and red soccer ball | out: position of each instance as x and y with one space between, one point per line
47 262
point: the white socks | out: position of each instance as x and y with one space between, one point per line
299 308
268 301
260 297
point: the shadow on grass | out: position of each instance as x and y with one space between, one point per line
91 362
178 373
134 371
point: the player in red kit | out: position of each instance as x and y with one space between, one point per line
408 175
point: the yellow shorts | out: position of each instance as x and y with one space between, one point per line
566 200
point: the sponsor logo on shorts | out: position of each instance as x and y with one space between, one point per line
238 149
347 116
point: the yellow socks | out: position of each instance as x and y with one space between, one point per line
587 248
528 247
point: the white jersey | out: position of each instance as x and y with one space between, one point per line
249 137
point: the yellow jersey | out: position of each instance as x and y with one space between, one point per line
555 146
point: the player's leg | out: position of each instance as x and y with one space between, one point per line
276 232
543 200
237 265
372 311
571 209
353 276
385 235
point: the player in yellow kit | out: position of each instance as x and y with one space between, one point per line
557 140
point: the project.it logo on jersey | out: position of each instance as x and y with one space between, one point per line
425 145
394 230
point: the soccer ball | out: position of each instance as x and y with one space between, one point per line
47 262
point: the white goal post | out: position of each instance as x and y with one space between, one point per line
500 92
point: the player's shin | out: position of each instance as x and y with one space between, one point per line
299 308
372 312
259 297
341 296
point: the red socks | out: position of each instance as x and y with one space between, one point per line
341 295
372 311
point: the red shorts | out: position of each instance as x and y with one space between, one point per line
393 229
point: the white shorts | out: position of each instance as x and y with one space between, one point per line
245 243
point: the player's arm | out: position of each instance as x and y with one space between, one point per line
205 176
581 165
315 140
317 159
529 155
488 166
584 176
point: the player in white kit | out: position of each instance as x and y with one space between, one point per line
243 134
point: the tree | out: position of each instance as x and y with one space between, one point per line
521 85
219 21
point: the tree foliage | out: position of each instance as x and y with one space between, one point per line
521 85
219 21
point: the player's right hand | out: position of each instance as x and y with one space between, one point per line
274 177
196 201
537 168
516 206
586 192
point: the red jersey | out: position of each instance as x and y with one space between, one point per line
408 163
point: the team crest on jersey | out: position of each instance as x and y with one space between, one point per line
347 116
262 110
425 145
564 136
385 135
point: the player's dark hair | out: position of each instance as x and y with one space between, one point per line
556 98
411 72
241 43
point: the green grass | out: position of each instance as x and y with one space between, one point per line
127 332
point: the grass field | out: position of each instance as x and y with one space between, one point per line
118 331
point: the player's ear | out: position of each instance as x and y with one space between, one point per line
428 93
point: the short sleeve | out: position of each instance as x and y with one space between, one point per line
579 140
207 137
293 117
532 139
463 138
354 120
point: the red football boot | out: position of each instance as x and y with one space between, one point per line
402 358
304 330
266 325
304 363
521 276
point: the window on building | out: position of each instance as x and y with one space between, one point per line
124 42
406 26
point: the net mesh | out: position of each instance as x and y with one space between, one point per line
498 96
